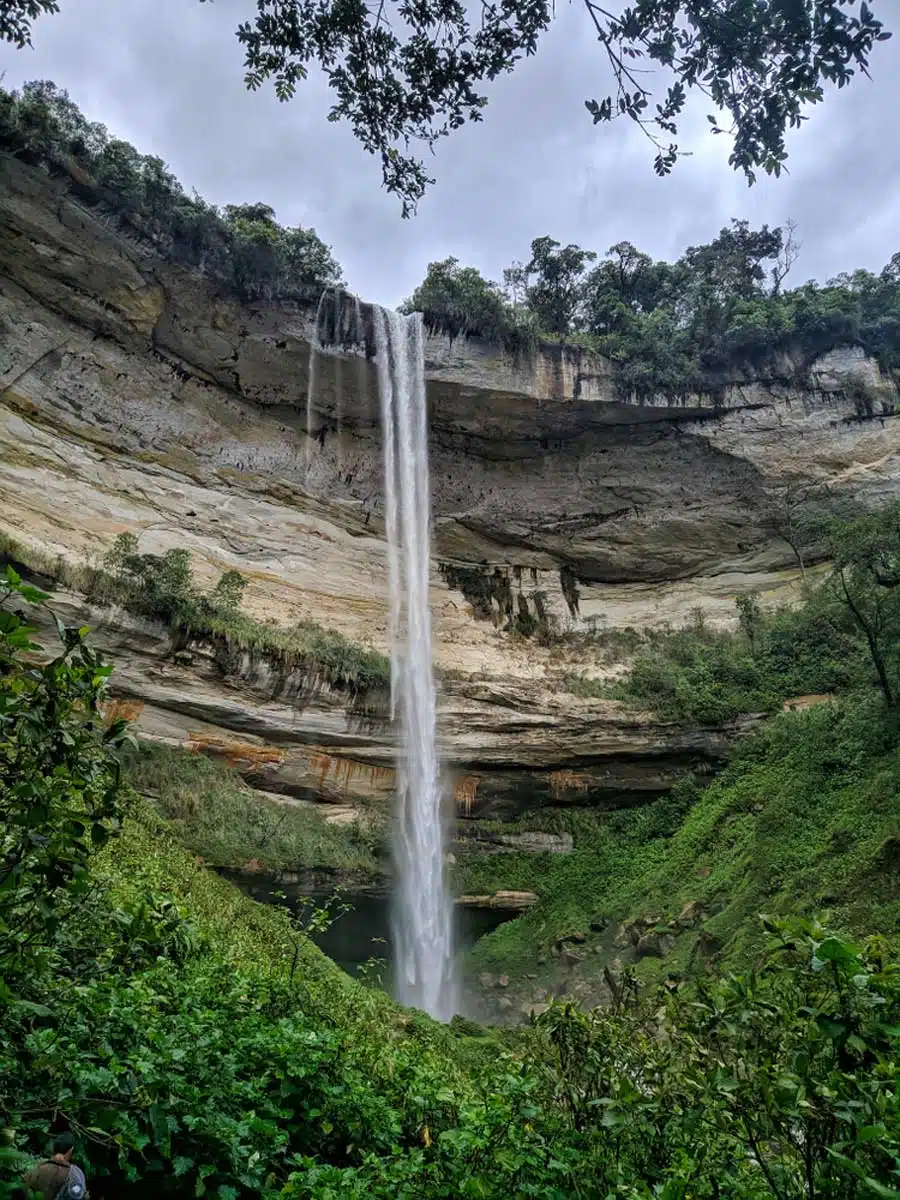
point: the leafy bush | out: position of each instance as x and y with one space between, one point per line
59 785
698 676
780 1083
843 636
458 302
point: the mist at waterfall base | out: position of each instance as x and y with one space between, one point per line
422 925
359 935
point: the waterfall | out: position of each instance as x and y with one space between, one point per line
315 347
336 339
338 377
423 915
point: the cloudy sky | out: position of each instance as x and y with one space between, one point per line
167 76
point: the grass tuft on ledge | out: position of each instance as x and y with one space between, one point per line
162 587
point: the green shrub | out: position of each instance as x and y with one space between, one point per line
697 675
59 783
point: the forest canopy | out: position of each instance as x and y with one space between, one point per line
720 311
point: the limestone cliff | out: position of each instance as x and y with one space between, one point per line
136 396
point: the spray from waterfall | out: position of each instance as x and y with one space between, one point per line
423 920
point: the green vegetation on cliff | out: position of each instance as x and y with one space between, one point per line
803 819
721 313
161 587
242 246
214 814
697 675
843 637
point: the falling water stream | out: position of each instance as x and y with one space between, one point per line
315 348
423 921
422 911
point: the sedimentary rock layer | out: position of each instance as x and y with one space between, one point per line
135 395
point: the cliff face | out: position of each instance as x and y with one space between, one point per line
134 396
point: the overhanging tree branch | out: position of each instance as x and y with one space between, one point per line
419 77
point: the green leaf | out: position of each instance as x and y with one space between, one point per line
880 1189
32 594
833 949
831 1028
869 1133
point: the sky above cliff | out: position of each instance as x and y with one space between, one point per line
167 76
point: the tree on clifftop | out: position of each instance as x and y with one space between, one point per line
556 293
405 72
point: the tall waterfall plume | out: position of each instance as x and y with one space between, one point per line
423 914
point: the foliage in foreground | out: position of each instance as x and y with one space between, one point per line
778 1083
197 1044
58 780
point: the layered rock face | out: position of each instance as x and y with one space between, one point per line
135 396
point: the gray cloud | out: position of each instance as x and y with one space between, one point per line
167 76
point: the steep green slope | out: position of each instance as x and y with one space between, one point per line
805 818
214 813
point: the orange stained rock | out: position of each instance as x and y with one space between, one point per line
566 781
234 753
798 703
121 710
341 773
464 792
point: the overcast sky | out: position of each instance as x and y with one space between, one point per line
167 76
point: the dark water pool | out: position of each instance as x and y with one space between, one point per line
363 932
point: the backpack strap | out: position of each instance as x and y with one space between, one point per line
61 1190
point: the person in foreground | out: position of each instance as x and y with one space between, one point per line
58 1178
